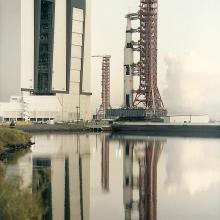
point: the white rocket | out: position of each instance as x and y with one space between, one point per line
128 179
128 61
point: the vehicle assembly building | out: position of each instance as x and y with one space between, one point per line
45 52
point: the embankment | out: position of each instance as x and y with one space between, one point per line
12 141
53 128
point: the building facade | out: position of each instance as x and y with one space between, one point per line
45 52
199 119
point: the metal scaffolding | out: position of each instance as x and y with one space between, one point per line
105 86
147 94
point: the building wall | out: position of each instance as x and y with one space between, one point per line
187 119
10 48
12 109
79 89
85 103
71 101
59 56
37 107
86 79
27 45
85 107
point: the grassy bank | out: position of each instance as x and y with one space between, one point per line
17 202
12 137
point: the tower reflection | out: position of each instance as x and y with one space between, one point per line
61 164
105 163
140 161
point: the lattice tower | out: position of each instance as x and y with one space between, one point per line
105 85
148 94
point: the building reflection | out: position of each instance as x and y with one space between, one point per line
105 163
140 177
59 169
42 184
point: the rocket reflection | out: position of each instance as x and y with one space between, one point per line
142 154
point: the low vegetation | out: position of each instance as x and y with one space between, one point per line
17 202
9 137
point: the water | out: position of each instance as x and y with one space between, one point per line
102 177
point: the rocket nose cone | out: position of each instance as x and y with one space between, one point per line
128 24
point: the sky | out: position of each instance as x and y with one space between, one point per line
188 52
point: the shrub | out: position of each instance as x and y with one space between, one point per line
13 137
17 202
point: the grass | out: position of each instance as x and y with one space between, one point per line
12 137
17 202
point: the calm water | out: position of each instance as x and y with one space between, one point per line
99 177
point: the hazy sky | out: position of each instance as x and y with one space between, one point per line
188 52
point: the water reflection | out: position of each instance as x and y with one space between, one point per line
105 162
61 163
192 165
96 177
144 153
19 202
42 184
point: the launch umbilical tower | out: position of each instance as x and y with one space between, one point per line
105 85
147 94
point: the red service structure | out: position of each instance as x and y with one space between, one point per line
140 174
147 95
105 86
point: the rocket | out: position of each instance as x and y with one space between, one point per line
128 61
128 179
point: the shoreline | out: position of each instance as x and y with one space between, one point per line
41 128
136 128
74 128
51 129
11 150
13 141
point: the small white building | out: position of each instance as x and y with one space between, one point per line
187 119
30 108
